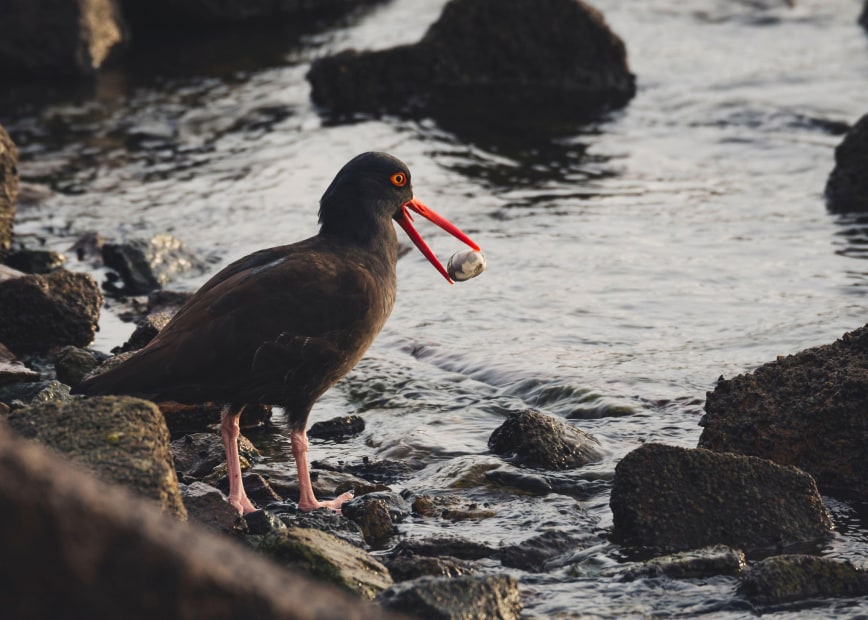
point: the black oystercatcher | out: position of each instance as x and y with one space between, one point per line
282 325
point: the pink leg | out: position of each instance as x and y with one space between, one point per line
229 431
306 499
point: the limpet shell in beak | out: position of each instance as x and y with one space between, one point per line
465 265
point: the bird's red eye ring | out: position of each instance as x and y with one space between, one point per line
399 179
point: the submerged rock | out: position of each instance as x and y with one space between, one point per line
695 564
38 312
120 439
407 566
337 428
490 597
327 558
534 553
8 187
536 440
44 38
148 264
806 410
787 578
847 186
673 499
541 58
452 546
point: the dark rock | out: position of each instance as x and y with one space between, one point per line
327 558
76 547
452 507
453 546
556 58
209 506
148 264
35 261
536 440
120 439
261 522
72 364
372 515
13 371
806 410
523 481
324 520
487 597
38 312
36 392
534 553
786 578
337 428
145 331
8 184
197 455
407 566
51 38
696 564
674 499
386 471
88 247
847 186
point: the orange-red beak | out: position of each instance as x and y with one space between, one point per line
404 219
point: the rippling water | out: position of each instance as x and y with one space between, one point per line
630 264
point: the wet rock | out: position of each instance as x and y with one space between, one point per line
534 553
197 455
337 428
327 558
120 439
481 597
144 265
38 312
88 248
847 186
36 392
376 514
8 186
533 439
387 471
72 364
674 499
208 505
261 522
90 549
786 578
525 59
35 261
408 566
453 546
806 410
696 564
145 331
13 371
46 38
452 507
523 481
324 520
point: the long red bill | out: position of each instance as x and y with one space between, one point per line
405 219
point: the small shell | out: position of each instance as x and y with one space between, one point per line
465 264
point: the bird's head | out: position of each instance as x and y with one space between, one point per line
371 190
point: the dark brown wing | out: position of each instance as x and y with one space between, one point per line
279 327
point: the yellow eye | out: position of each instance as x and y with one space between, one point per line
399 179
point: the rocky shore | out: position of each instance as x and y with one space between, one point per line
108 493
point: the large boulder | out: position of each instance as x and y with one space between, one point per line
550 58
8 187
847 185
120 439
38 312
75 547
58 38
807 410
673 499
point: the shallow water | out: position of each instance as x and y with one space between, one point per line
630 264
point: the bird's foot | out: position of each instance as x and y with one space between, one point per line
335 504
242 505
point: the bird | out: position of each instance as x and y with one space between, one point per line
282 325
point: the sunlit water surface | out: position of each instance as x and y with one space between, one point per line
631 264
